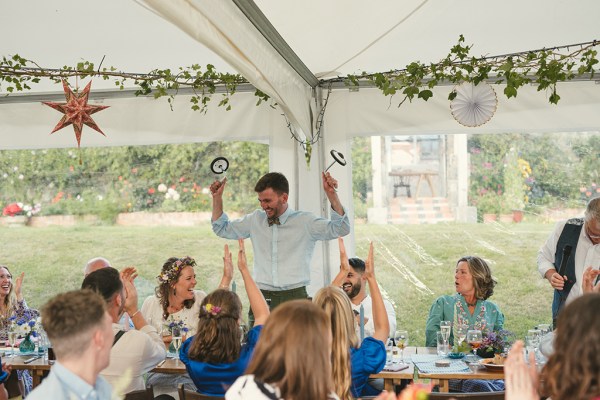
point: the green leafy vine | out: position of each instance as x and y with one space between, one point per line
18 74
543 68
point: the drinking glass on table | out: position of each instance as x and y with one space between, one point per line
445 327
401 339
474 338
389 347
460 333
532 342
177 339
12 340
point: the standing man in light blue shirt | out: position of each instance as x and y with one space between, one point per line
283 239
80 330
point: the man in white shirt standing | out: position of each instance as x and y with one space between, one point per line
79 329
574 244
134 352
283 239
357 291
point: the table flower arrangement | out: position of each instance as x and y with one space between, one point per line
495 342
180 324
183 329
26 328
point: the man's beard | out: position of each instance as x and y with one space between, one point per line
355 291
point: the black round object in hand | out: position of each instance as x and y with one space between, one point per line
219 165
338 157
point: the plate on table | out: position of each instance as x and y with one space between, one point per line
488 363
456 356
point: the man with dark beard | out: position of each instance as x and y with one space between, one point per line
354 288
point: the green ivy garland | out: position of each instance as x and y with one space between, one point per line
543 68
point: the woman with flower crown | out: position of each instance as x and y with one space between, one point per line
176 302
215 357
13 307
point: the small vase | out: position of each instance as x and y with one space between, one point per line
27 345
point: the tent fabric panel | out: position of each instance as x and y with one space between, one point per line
369 113
222 27
140 121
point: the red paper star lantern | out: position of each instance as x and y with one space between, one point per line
77 111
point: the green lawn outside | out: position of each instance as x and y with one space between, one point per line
414 263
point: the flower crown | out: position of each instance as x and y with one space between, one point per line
172 272
212 310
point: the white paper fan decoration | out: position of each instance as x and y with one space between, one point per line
474 105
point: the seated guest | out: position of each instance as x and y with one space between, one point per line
572 371
176 300
292 360
95 264
469 306
13 307
80 330
354 284
214 357
354 363
134 352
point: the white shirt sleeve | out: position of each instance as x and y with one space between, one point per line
545 259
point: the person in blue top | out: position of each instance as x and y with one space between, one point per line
283 239
469 306
214 357
354 362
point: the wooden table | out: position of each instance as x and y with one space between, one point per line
401 180
40 366
391 379
444 378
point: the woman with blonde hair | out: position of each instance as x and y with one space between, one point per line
353 362
292 360
13 308
215 357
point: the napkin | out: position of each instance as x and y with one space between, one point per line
395 367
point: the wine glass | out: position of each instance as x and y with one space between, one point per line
401 339
176 339
532 342
445 327
12 340
474 338
460 333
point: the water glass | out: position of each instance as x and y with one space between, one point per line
442 344
532 342
389 347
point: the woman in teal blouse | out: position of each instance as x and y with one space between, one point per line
469 306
